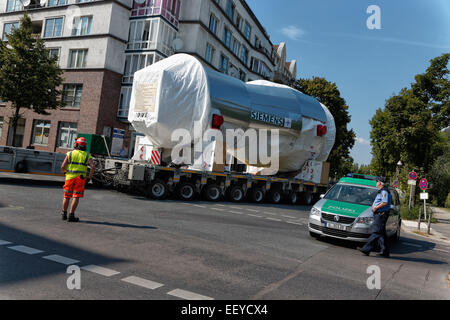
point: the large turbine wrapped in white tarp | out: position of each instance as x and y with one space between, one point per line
177 92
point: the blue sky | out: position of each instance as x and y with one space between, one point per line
330 38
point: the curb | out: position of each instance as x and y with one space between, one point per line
411 227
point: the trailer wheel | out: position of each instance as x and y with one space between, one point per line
186 191
307 198
158 189
211 192
21 167
275 196
235 194
256 195
292 197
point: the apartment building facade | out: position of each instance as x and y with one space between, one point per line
101 43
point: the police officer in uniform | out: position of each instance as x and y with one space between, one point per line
380 208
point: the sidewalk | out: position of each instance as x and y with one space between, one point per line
439 231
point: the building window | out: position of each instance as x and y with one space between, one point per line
54 3
1 126
72 95
53 28
17 139
77 58
226 37
209 53
260 67
235 47
244 55
81 26
224 64
242 75
124 103
81 1
143 34
247 30
14 5
135 62
230 9
213 24
54 52
238 21
41 131
167 35
67 134
7 29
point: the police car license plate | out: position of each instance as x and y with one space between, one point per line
335 226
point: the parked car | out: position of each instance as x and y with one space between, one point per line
345 211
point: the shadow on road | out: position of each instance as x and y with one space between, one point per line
398 249
121 225
17 267
31 182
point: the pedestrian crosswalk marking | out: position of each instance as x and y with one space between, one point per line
25 249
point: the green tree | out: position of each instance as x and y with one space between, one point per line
408 128
328 94
440 173
29 76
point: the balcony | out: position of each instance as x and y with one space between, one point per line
169 9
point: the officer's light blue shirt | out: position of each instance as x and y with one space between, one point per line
382 196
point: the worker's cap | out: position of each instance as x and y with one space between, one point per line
381 179
81 141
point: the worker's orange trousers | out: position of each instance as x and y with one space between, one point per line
74 188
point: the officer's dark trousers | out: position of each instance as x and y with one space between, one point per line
379 234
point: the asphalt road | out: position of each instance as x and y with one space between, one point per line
130 247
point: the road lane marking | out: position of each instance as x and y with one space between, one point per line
252 210
235 212
237 208
254 215
3 242
100 270
273 214
60 259
297 223
273 219
412 244
291 217
187 295
217 209
25 249
143 282
196 205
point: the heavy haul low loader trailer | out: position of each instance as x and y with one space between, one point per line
21 160
158 182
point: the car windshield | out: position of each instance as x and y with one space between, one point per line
352 193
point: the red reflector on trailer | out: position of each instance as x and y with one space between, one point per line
321 130
217 121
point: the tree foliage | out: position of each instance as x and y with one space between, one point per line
29 76
328 94
409 128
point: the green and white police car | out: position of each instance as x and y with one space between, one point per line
345 211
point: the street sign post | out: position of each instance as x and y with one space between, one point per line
412 182
423 184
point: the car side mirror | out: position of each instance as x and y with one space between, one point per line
322 196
